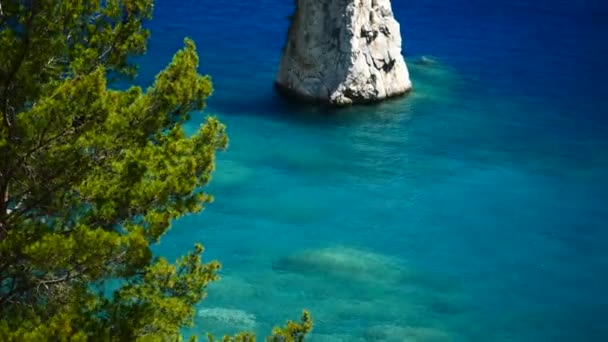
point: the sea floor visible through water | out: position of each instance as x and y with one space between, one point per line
472 209
408 220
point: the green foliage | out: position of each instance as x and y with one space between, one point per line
291 332
91 177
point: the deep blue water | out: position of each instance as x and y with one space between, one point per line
474 209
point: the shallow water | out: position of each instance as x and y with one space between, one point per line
473 209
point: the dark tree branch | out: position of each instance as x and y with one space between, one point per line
75 272
8 113
2 17
25 46
41 197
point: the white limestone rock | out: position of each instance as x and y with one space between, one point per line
343 52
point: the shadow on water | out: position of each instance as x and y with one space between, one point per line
434 82
277 106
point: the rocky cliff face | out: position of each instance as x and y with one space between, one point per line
343 52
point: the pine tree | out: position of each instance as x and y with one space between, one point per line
91 177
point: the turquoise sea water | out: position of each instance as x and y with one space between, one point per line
474 209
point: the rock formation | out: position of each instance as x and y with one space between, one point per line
343 52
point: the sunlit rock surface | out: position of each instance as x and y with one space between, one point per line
343 52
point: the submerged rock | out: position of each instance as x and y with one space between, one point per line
343 262
231 288
343 52
391 333
229 317
334 338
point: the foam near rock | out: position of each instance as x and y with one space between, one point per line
434 80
